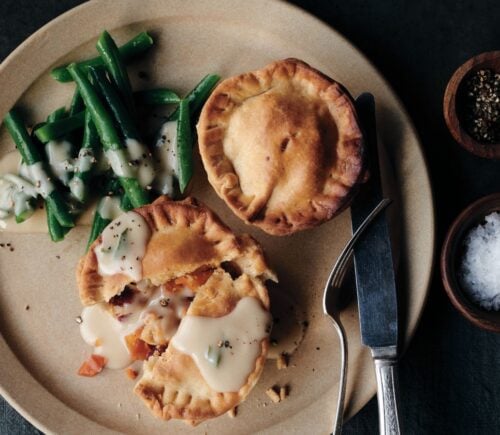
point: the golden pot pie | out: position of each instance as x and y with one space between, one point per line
282 146
196 310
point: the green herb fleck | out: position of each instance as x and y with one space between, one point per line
213 355
122 241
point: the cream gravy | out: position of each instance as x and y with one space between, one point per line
109 207
140 155
165 152
225 348
59 157
106 333
11 163
123 245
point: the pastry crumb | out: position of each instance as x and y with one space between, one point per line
27 307
79 320
282 361
283 392
138 416
233 412
273 395
278 394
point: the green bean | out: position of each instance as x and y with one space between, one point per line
115 104
56 231
125 203
126 123
60 209
23 200
108 90
98 225
76 104
86 157
111 187
26 214
184 146
61 170
29 152
31 155
135 46
57 129
134 191
107 132
156 97
102 119
197 97
56 115
116 68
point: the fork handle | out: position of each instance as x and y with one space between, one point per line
387 395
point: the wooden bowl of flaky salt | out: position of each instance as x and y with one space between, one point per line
470 263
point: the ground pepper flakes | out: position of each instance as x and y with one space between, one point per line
482 106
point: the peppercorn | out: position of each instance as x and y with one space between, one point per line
482 106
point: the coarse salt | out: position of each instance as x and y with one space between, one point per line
480 266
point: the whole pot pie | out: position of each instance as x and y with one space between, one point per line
282 146
169 284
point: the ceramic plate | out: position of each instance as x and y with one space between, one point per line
41 347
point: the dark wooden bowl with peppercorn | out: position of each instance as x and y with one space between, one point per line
472 105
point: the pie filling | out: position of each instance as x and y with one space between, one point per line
144 319
139 320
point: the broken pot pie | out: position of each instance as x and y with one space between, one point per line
169 284
282 146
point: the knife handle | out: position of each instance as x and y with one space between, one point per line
387 394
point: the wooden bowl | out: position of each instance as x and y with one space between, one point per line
450 261
452 104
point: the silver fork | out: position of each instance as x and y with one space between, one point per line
330 306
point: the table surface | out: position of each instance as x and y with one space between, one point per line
450 382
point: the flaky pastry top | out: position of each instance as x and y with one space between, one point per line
282 146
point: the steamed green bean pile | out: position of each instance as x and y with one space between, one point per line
96 149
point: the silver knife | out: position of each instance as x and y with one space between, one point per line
375 281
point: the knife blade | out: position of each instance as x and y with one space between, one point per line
375 280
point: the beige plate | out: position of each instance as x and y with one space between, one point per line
41 347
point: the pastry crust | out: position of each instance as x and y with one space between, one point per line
282 146
185 237
172 386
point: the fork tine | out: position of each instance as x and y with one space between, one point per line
343 270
